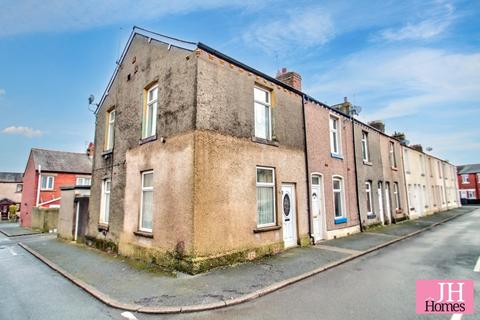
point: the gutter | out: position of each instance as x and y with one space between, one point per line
356 175
307 173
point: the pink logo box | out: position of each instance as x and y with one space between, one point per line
445 296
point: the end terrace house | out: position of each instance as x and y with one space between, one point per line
200 159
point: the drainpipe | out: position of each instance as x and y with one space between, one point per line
356 174
307 171
39 184
77 213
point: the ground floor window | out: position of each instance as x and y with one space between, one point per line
265 196
338 197
396 194
146 211
368 191
105 201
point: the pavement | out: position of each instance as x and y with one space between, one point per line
115 281
11 229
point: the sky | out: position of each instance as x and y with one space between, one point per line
413 64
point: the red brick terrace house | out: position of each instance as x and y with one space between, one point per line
469 183
46 172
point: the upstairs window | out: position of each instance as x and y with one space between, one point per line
47 182
110 134
478 177
407 161
422 164
265 197
393 158
263 113
83 181
464 178
19 187
335 136
149 125
365 155
439 169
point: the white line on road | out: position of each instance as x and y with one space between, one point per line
456 317
12 251
477 266
128 315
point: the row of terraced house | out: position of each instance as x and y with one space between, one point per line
201 160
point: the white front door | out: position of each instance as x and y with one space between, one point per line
387 202
289 215
380 202
317 208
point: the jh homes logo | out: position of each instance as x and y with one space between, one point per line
445 296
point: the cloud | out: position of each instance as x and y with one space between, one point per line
302 28
437 20
403 82
19 17
24 131
2 92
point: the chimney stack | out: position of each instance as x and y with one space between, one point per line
90 149
378 124
400 136
290 78
344 107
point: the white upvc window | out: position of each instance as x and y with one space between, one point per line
422 164
335 147
365 154
464 178
396 194
470 194
407 160
19 187
47 182
478 177
430 167
149 123
105 201
265 197
338 197
368 191
263 113
439 169
110 137
146 203
83 181
393 158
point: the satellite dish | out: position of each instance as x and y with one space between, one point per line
429 149
91 98
355 110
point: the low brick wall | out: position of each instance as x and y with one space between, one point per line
44 219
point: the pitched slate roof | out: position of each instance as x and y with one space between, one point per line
469 168
11 177
61 161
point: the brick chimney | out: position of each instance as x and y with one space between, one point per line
344 107
90 149
400 136
290 78
378 124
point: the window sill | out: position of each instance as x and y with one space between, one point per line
102 227
143 234
395 168
423 174
371 216
367 163
266 229
336 156
265 141
407 172
341 220
107 154
147 139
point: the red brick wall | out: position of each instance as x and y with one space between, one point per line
320 161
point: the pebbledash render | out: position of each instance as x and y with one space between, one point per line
203 161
